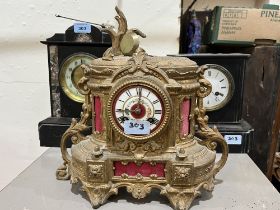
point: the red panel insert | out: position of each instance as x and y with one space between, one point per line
185 113
98 113
145 169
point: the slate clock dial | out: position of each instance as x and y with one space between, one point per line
70 74
138 103
222 87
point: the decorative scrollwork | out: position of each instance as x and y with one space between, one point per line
91 70
126 145
82 84
175 74
96 172
210 137
116 36
138 190
181 172
100 193
74 133
62 172
139 62
181 199
151 146
205 86
134 148
209 185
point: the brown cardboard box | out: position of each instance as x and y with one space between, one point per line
242 26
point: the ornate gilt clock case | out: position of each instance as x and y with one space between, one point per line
161 97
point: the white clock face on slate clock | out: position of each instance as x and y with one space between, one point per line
222 87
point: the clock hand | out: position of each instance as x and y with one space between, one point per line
140 95
218 93
126 110
137 110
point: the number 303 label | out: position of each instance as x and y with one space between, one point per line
233 139
139 127
82 28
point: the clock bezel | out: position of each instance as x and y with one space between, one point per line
160 92
61 76
231 87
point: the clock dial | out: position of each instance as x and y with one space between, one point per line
70 74
222 87
138 103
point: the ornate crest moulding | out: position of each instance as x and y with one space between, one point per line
143 111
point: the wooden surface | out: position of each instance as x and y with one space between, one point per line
262 79
274 153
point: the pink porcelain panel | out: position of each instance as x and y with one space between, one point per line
185 113
98 113
145 169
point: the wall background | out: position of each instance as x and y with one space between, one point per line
24 91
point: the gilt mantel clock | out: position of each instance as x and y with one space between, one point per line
66 53
143 111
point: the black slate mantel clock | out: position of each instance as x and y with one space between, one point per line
66 52
226 73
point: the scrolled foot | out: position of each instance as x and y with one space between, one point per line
62 173
209 185
179 198
100 193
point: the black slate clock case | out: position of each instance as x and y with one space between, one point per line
60 47
228 119
236 65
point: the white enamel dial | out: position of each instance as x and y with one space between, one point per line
222 87
71 73
138 103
